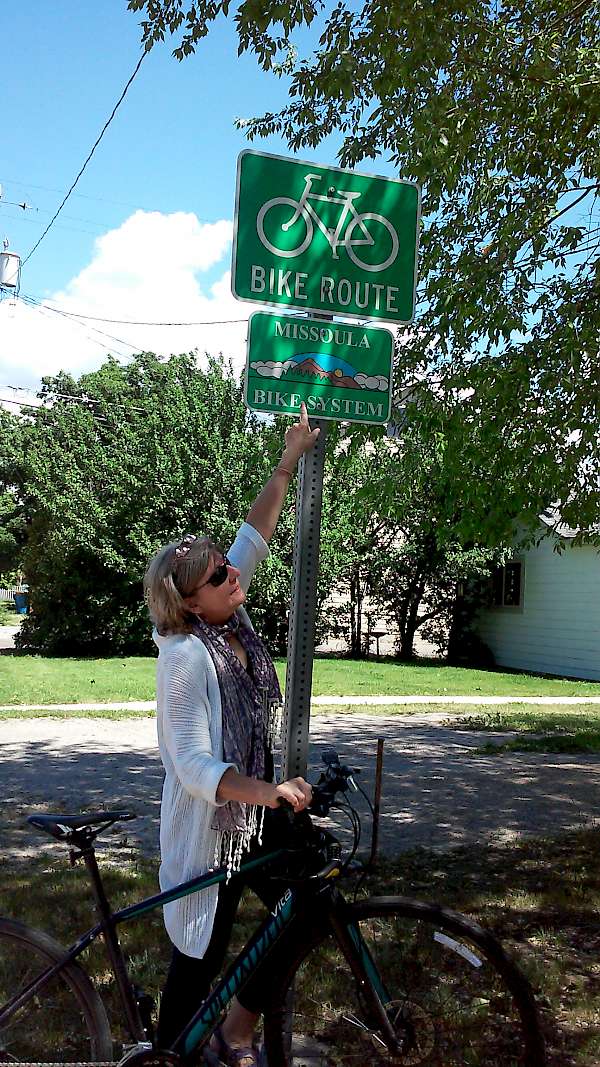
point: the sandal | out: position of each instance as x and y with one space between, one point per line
247 1056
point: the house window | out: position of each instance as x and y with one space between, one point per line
507 585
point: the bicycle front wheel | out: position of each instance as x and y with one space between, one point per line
63 1021
454 997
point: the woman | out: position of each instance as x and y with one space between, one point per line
215 684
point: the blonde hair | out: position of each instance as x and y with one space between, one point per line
171 577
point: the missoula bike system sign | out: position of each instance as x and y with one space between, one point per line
325 240
340 370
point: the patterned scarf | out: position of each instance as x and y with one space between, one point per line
249 699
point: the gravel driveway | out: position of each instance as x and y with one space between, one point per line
435 793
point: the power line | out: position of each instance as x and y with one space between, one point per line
13 203
81 196
94 147
63 396
59 225
101 344
38 306
68 396
134 322
41 308
19 403
101 224
44 407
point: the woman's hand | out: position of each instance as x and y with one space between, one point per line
297 792
234 786
299 438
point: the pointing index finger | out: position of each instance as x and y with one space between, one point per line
303 414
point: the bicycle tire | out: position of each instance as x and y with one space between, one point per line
456 997
286 253
359 220
65 1022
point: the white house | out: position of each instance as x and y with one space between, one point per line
545 612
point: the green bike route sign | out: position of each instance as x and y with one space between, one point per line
325 240
341 371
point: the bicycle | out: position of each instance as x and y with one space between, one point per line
379 982
303 209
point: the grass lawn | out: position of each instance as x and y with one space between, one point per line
40 680
564 729
541 897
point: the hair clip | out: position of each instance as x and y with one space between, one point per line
184 545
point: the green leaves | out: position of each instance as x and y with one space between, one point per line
495 111
141 454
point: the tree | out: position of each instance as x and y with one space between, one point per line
129 457
352 536
385 537
12 521
116 464
419 564
494 109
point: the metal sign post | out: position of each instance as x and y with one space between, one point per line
301 630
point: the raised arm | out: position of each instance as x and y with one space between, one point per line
266 509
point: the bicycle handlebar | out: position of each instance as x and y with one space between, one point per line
335 779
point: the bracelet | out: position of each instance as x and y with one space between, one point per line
285 471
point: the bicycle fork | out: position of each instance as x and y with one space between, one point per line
370 983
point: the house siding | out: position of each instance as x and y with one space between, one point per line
557 628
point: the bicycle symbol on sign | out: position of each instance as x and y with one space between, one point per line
357 233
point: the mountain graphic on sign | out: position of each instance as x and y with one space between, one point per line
320 368
310 366
327 361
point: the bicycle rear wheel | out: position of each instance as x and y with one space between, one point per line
454 997
64 1021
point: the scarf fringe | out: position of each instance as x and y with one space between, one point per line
273 724
231 844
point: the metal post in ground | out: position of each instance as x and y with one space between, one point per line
301 629
377 803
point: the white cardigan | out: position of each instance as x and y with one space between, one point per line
191 747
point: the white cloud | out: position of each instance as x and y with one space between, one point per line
270 368
149 269
372 381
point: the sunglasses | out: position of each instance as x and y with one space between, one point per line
218 576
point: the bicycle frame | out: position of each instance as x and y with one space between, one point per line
333 236
106 929
287 910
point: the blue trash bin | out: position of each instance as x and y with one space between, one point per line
21 603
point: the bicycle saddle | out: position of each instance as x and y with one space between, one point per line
65 827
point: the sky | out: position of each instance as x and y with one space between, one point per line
146 235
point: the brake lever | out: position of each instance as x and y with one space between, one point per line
330 757
286 810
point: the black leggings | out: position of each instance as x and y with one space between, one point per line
189 979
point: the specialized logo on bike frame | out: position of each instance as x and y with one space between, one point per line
324 239
340 371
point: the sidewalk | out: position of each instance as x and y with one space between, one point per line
436 793
328 702
7 636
